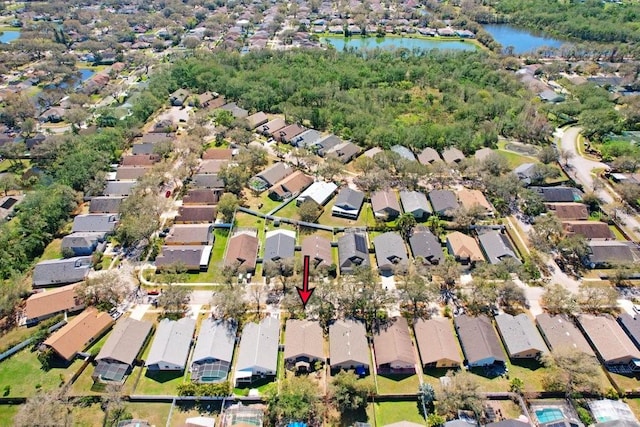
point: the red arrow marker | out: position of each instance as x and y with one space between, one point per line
305 293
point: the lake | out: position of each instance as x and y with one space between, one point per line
523 41
9 36
395 43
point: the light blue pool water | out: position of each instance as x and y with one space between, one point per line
548 415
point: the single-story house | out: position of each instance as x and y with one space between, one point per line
390 251
270 176
306 139
196 214
218 154
171 344
452 155
190 234
209 167
119 352
61 271
464 248
242 251
590 230
404 152
496 247
140 160
393 348
258 351
385 205
193 258
614 348
126 173
326 144
527 173
257 119
79 333
119 188
345 152
415 203
53 115
480 344
348 347
425 246
43 305
320 192
605 253
371 152
235 110
569 211
288 133
207 180
303 345
207 99
348 203
437 343
558 194
353 251
213 353
551 96
279 244
272 127
474 199
201 196
631 326
291 186
319 251
560 333
105 204
483 153
443 202
179 97
105 223
520 337
428 156
83 243
146 148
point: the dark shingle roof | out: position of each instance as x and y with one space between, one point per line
443 201
478 338
425 244
390 250
279 244
105 204
496 247
353 250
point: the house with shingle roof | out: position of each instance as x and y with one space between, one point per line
213 353
218 154
272 127
303 345
141 149
464 248
606 253
415 203
443 202
288 133
558 194
306 139
527 173
140 160
631 326
207 180
385 205
242 251
480 344
105 223
483 153
237 111
192 214
425 246
119 188
613 347
348 203
190 234
474 199
171 344
497 247
520 336
452 155
202 196
210 167
353 251
345 152
291 186
258 351
569 211
404 152
125 173
43 305
105 204
279 244
61 271
257 119
326 144
190 257
590 230
348 347
428 156
319 251
390 251
560 333
437 343
270 176
83 244
320 192
393 348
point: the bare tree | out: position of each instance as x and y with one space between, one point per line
104 290
46 409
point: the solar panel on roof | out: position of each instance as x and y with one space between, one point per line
361 243
8 204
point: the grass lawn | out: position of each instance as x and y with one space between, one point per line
397 384
155 413
188 410
87 416
7 412
84 384
244 220
332 221
6 165
213 272
53 250
626 382
616 232
289 211
158 383
393 412
514 159
267 204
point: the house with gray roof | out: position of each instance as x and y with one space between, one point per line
348 347
527 173
443 202
428 156
404 152
117 355
393 348
83 244
213 353
560 333
207 180
452 155
257 119
270 176
325 144
279 244
520 336
353 251
385 205
480 344
631 326
171 345
390 251
258 351
190 257
606 253
425 246
105 204
415 203
483 153
105 223
558 194
144 148
497 247
306 139
345 152
119 188
348 203
303 345
61 271
235 110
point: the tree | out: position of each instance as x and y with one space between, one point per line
283 269
235 178
571 371
512 297
629 192
426 396
415 296
8 182
227 206
405 224
46 408
229 304
224 118
597 299
309 211
139 216
112 404
546 233
483 296
297 400
28 127
462 391
323 303
104 290
548 155
532 203
556 299
363 297
564 156
495 164
348 393
173 299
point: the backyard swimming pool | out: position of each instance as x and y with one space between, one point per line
548 415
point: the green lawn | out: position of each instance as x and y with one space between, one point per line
158 383
7 412
52 251
155 413
289 211
217 254
514 159
397 384
393 412
244 220
6 165
617 232
267 203
626 382
327 219
84 384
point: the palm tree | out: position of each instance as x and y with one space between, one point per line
405 224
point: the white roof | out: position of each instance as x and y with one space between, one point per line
172 342
319 192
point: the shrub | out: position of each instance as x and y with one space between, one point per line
584 416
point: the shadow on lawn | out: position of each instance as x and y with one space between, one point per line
163 377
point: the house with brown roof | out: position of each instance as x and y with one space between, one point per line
242 251
437 343
201 196
196 214
385 205
464 248
43 305
590 230
348 347
218 154
452 155
480 343
270 176
614 348
291 186
319 251
429 156
79 333
212 166
257 119
560 333
303 345
131 172
474 199
190 257
272 127
287 133
569 211
393 348
140 160
190 234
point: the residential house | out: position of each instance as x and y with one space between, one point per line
179 97
279 244
128 173
444 202
53 115
119 188
303 345
257 119
404 152
590 230
319 251
258 351
428 156
464 248
425 246
631 326
191 214
201 196
211 167
558 194
480 344
348 347
606 253
496 247
270 176
272 127
291 186
207 99
452 155
614 348
345 152
242 251
140 160
288 133
348 203
191 258
474 199
520 337
306 139
235 110
371 152
190 234
203 180
483 153
569 211
390 252
61 271
171 344
326 144
117 355
320 192
213 353
353 251
393 348
155 138
79 333
560 333
43 305
550 96
141 149
527 173
222 154
415 203
385 205
437 343
105 223
83 244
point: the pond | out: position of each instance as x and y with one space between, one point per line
523 41
396 43
9 36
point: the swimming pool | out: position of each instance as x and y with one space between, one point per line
548 415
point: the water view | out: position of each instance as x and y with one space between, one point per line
523 41
395 43
9 36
